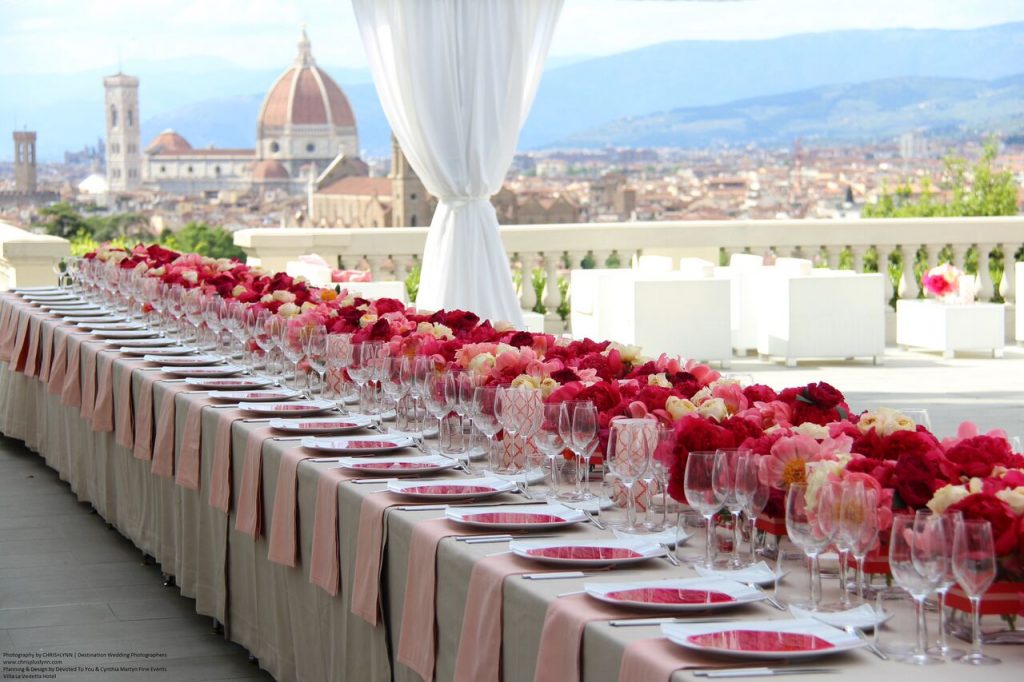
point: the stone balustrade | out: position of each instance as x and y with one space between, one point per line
26 259
880 244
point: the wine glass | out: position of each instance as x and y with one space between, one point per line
339 357
917 561
948 520
438 395
702 494
919 415
661 466
582 436
391 379
725 480
360 369
974 564
858 525
316 354
509 416
484 417
529 425
548 440
463 382
630 442
806 531
752 489
290 345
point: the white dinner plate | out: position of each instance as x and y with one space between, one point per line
162 351
205 371
197 360
91 311
758 574
142 343
256 395
863 617
110 326
410 465
54 298
298 408
125 333
37 290
322 425
455 489
370 444
520 517
589 552
680 594
229 383
796 638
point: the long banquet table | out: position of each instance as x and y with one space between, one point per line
296 629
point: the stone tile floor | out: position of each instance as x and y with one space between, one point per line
68 583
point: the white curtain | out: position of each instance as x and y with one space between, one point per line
456 79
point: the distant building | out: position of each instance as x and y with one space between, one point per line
305 126
534 209
124 157
26 190
913 145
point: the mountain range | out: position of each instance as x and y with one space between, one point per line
752 90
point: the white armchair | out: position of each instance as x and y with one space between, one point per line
743 273
824 314
660 312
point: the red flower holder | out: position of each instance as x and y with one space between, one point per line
1004 598
773 525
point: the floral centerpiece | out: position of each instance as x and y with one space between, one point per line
949 284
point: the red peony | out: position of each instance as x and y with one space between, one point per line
990 508
976 457
694 434
759 393
918 476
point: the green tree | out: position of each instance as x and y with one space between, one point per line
62 220
198 237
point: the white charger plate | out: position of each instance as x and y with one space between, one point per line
796 638
256 395
520 517
456 489
298 408
229 383
162 351
322 425
409 465
110 326
369 444
681 594
205 371
197 360
142 343
81 311
125 333
590 552
95 320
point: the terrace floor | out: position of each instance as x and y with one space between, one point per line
68 583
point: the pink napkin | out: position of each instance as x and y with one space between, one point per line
220 468
479 655
651 660
89 380
249 517
163 440
143 447
123 434
284 544
10 333
103 412
71 395
20 351
187 475
5 321
59 365
561 639
47 356
417 642
369 550
35 331
324 562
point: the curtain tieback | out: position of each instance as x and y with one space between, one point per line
457 202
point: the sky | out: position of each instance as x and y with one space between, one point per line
67 36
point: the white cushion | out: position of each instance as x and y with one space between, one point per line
654 263
696 267
794 266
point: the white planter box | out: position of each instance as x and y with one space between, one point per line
950 328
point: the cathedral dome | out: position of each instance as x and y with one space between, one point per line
269 170
168 142
305 95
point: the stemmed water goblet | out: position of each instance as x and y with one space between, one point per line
242 321
290 344
917 560
630 443
361 369
949 520
391 384
752 491
702 494
439 398
339 357
974 564
548 440
661 464
807 529
510 419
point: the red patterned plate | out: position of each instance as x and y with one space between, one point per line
456 490
532 517
588 552
366 445
796 638
679 594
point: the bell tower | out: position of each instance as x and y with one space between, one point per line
410 205
124 155
25 162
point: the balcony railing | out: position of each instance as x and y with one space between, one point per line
899 247
26 259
